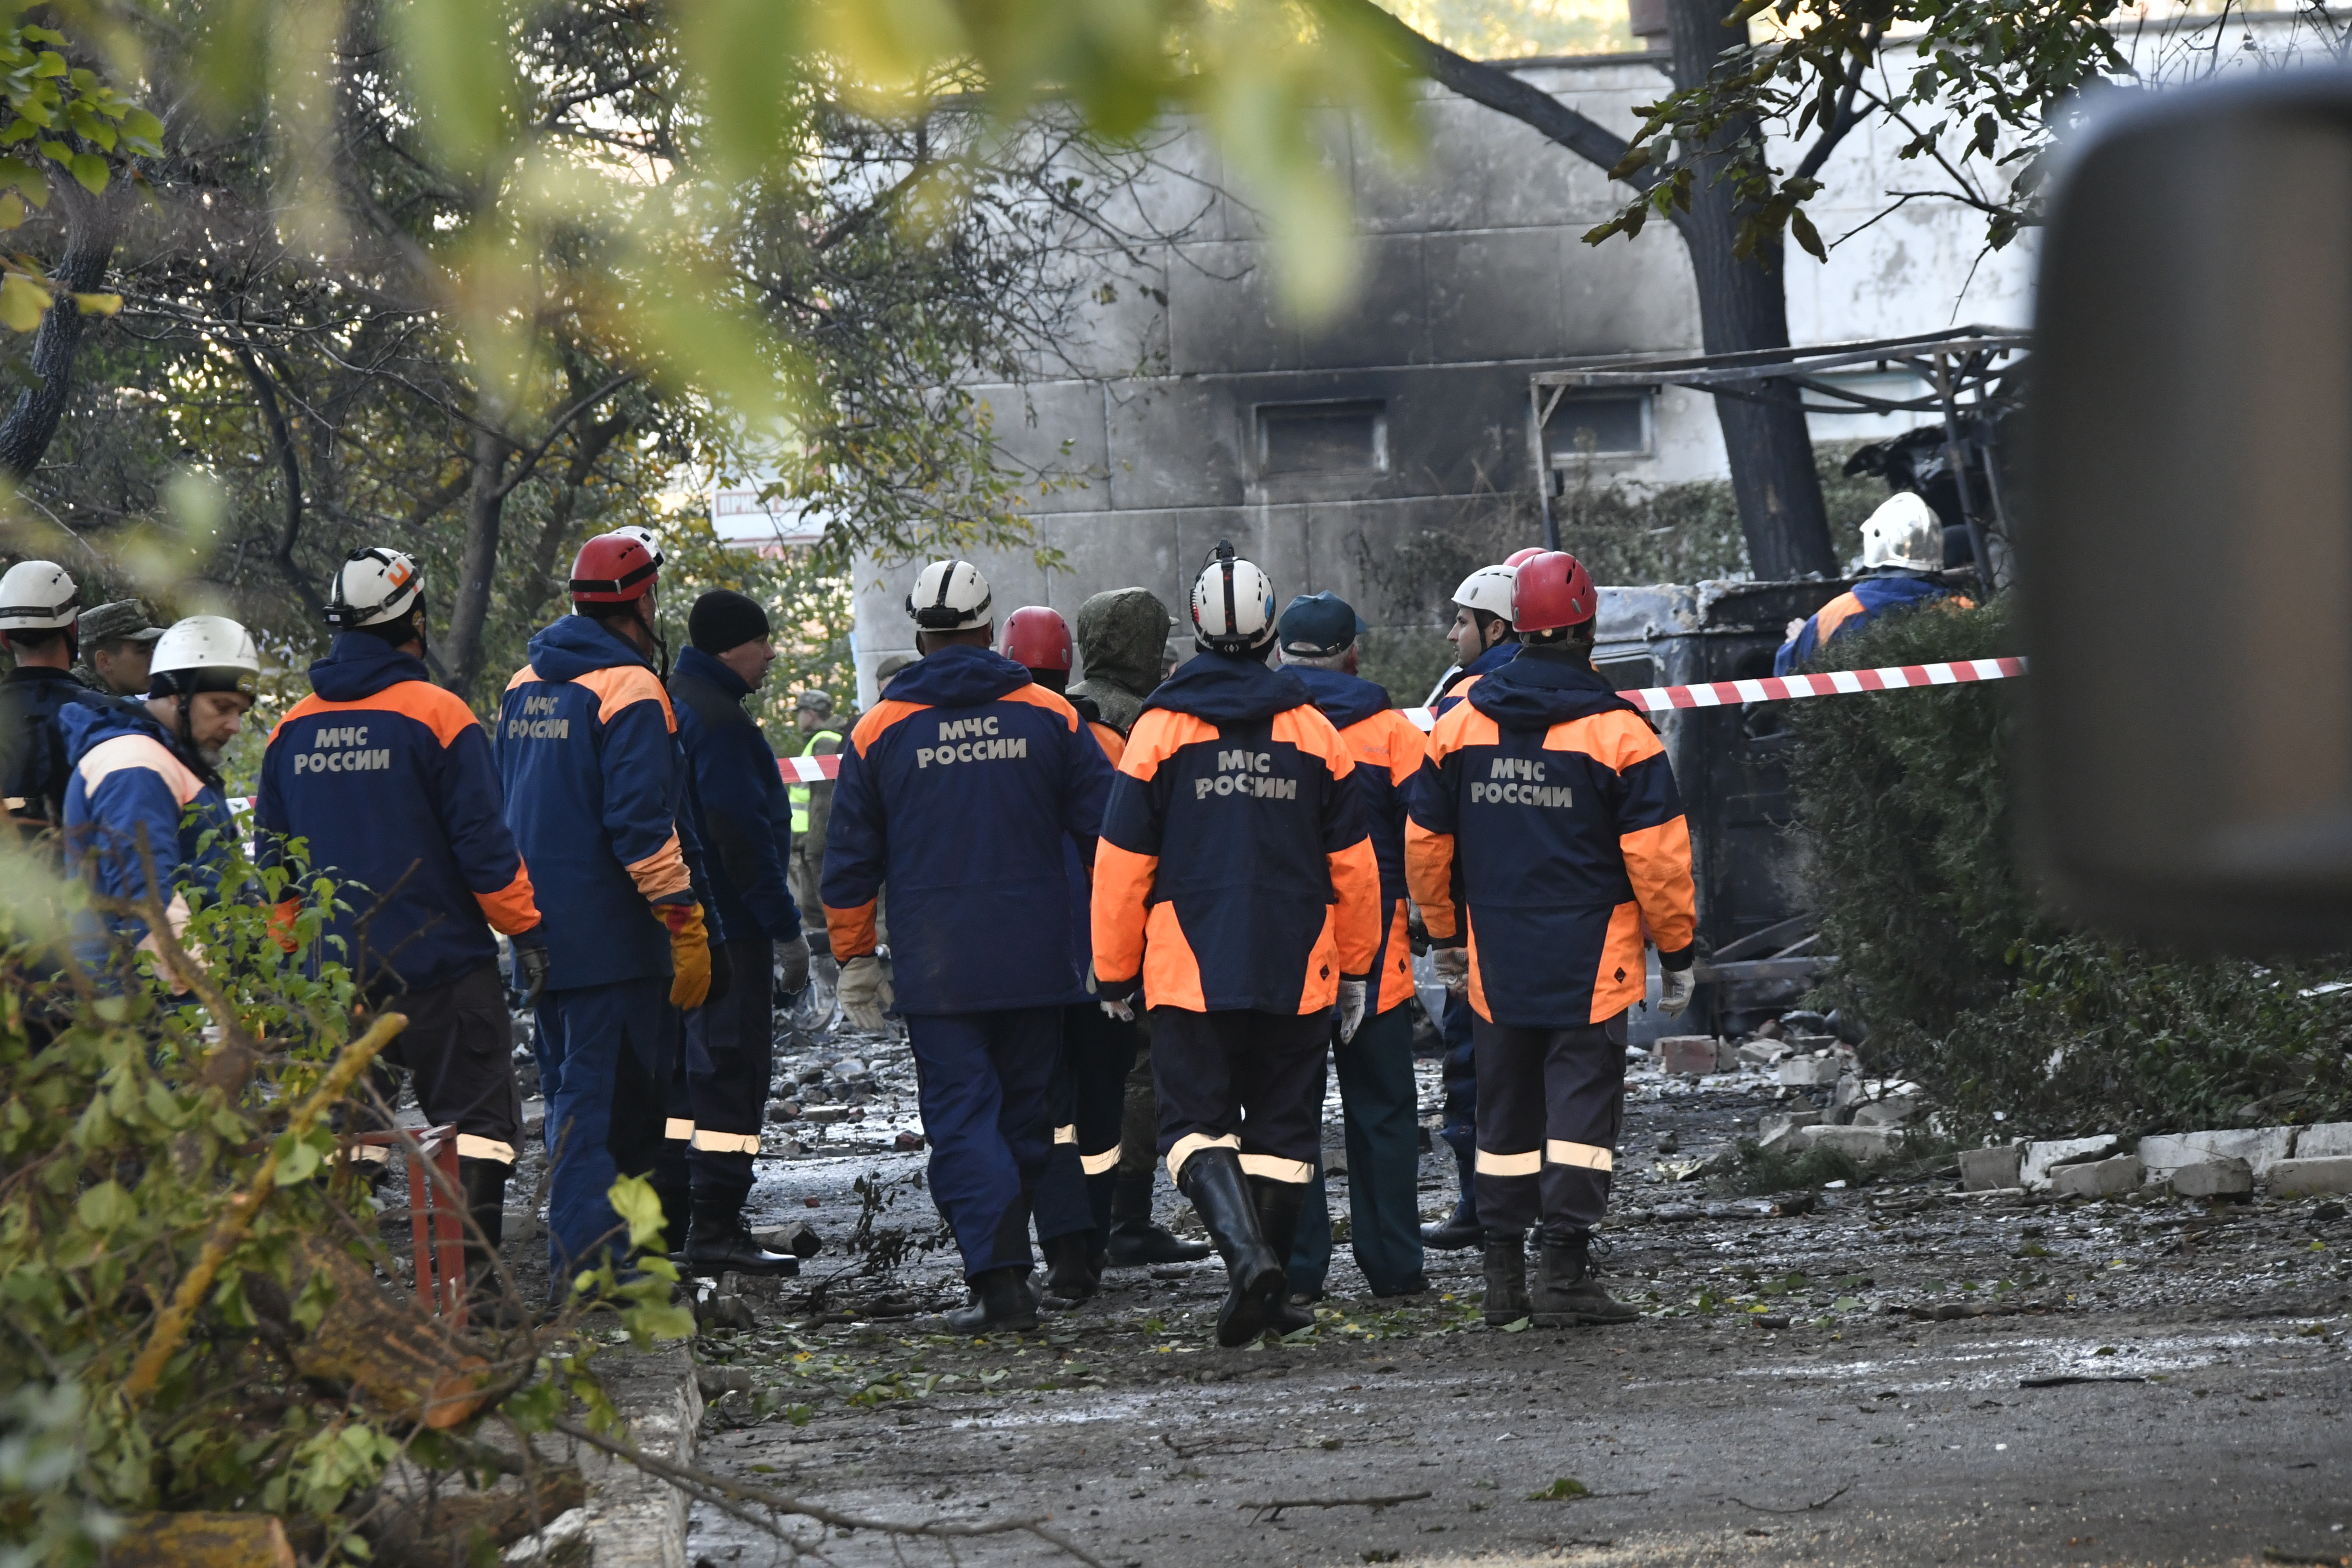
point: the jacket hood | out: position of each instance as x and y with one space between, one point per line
1487 663
960 675
358 665
702 666
86 724
569 648
1122 637
1229 689
1536 693
1345 699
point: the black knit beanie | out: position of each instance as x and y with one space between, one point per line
723 618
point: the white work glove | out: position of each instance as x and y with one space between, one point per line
1679 985
1351 1008
865 993
1452 966
1122 1011
793 965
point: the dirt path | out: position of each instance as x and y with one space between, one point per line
1795 1395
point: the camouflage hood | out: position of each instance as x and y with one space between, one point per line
1122 637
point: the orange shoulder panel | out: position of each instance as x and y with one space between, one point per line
520 675
1616 739
617 686
1465 726
1158 736
1037 695
880 717
1306 728
1113 743
1407 747
1833 615
439 711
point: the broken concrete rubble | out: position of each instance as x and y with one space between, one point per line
1776 1129
2259 1147
1892 1111
1993 1169
2041 1159
2095 1178
1811 1072
2326 1139
1688 1055
2328 1174
2223 1176
1868 1144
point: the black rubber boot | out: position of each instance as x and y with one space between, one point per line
1459 1232
1566 1294
1001 1302
1506 1278
1256 1279
1135 1241
1070 1274
487 1303
1278 1204
719 1242
678 1214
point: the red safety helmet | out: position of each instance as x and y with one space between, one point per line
1037 638
612 569
1521 557
1553 589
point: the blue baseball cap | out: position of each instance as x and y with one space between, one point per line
1318 625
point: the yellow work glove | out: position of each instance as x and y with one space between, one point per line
865 995
689 955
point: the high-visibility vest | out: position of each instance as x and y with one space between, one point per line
799 794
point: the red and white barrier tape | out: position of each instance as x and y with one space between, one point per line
809 770
1785 688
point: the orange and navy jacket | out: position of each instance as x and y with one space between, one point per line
1547 833
960 790
131 785
1450 696
1236 871
595 792
1081 872
1388 753
1856 607
390 779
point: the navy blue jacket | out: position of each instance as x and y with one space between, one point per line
1487 663
131 781
391 780
33 756
596 787
959 790
1857 608
736 795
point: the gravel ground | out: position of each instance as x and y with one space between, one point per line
1868 1381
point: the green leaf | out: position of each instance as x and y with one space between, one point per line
1807 236
459 59
298 1159
105 1207
90 172
22 303
639 1206
1567 1489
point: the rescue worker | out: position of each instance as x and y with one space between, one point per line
811 803
959 790
1902 550
1381 1112
146 776
1237 892
744 825
39 627
1122 638
1089 1087
117 641
1545 838
595 795
390 779
1484 641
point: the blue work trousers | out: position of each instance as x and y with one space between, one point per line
1090 1099
606 1056
1459 1127
1381 1114
983 1081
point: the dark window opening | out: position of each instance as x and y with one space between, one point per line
1601 425
1322 438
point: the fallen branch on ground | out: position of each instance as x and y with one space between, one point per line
1273 1509
1803 1507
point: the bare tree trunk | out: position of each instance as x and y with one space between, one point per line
92 225
1743 303
469 613
538 586
290 468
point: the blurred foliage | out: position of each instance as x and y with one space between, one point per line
1902 805
1515 30
160 1154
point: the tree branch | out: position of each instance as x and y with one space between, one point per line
289 466
1841 122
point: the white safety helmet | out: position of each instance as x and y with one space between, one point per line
645 537
949 596
1233 603
204 653
1904 531
1488 589
374 585
37 597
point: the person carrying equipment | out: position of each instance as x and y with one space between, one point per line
812 805
1317 637
1122 638
38 627
390 779
595 794
743 822
960 790
1902 550
1484 640
1089 1087
1546 836
117 641
1237 892
138 769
